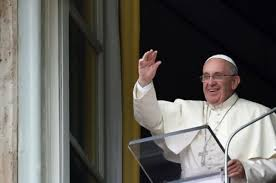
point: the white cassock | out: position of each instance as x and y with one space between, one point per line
254 146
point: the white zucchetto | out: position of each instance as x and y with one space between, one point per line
224 57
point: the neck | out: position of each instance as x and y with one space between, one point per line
229 101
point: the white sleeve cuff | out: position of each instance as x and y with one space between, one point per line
144 89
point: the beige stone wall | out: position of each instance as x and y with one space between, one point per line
8 91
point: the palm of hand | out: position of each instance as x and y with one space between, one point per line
147 67
147 70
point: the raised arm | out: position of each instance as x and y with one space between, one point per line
146 108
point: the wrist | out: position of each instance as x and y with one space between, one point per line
143 83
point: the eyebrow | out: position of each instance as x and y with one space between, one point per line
213 73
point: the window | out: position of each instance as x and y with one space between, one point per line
86 128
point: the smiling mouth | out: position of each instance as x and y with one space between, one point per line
213 90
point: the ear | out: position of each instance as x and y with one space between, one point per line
235 82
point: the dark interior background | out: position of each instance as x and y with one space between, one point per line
186 32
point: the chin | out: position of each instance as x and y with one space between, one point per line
213 101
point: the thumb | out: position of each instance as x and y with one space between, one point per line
156 65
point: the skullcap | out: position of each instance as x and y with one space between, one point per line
224 57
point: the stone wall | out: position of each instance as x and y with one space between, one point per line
8 91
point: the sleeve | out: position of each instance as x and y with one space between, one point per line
260 170
145 89
146 108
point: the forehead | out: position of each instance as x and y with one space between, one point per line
216 65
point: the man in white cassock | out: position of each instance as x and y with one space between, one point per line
252 154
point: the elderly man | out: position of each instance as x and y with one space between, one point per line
252 151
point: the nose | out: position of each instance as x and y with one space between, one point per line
211 81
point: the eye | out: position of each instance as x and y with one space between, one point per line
205 77
218 76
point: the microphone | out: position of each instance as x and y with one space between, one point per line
234 133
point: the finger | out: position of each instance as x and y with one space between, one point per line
235 174
143 63
231 167
152 56
234 169
146 55
234 165
231 162
149 57
156 65
240 173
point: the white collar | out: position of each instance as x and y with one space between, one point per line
229 102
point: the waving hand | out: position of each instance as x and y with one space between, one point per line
147 67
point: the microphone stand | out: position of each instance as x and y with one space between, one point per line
233 134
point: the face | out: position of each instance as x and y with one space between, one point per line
216 91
